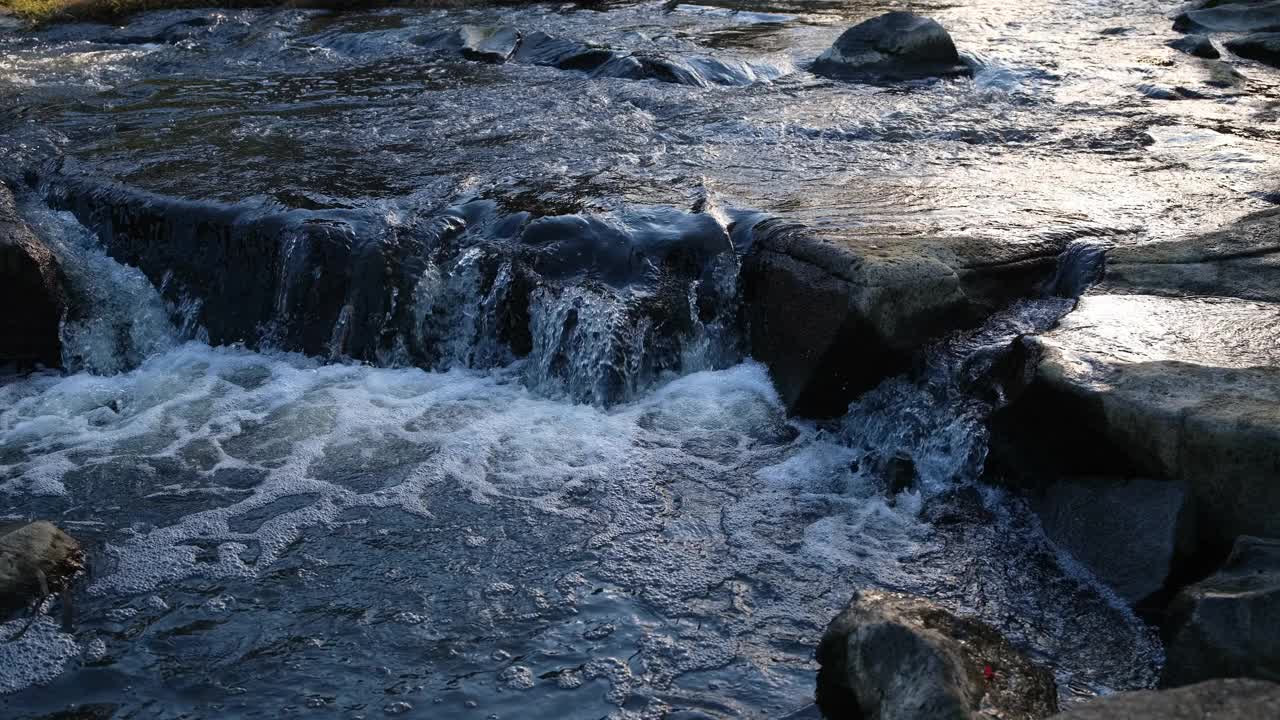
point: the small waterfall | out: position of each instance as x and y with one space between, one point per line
928 430
1079 267
456 312
587 345
601 305
116 317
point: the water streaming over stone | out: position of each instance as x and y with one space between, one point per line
405 381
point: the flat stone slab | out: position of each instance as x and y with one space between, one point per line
1241 260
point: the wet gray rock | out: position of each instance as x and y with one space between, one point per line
895 657
1228 625
832 317
893 46
539 48
36 559
1214 700
1197 45
32 292
1127 532
1155 92
1231 16
1263 47
1185 389
1169 369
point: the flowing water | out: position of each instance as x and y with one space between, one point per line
537 474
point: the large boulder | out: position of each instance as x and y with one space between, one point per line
1263 47
833 316
1231 16
894 46
1228 625
36 559
1214 700
32 296
894 657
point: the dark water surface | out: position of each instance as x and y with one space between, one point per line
496 536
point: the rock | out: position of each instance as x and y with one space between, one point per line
1126 532
894 657
893 46
502 44
1168 369
1214 700
1197 45
833 316
35 559
1240 261
8 22
1185 389
1263 47
902 474
1231 16
539 48
32 280
1228 625
1155 92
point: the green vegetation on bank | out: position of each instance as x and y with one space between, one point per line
43 11
40 11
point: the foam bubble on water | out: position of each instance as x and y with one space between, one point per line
37 657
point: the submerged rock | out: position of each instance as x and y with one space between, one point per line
1263 47
486 44
893 46
36 559
502 44
1228 625
1197 45
894 657
32 292
1214 700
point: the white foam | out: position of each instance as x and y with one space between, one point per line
39 656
